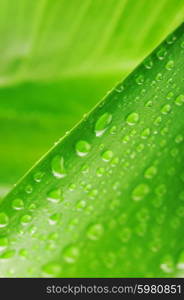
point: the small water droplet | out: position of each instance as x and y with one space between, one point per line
57 166
167 264
166 109
139 79
107 155
8 254
145 133
100 171
179 139
55 218
95 232
17 204
132 118
4 220
159 77
52 269
161 54
28 189
82 148
140 191
38 176
102 123
71 254
25 220
170 65
148 63
150 172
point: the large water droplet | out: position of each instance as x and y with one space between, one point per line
17 204
57 166
107 155
54 195
132 118
82 148
4 220
102 123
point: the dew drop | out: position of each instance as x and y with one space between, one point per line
25 220
38 176
82 148
28 189
140 192
166 109
54 195
8 254
180 263
132 118
139 79
150 172
17 204
145 133
4 220
95 232
107 155
71 254
57 166
148 63
161 54
179 100
100 171
55 218
52 269
169 66
179 139
102 123
167 264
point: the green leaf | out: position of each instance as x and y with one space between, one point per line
107 200
59 58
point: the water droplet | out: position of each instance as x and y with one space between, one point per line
145 133
100 171
166 109
150 172
57 166
182 44
148 63
179 100
159 77
54 195
161 54
3 243
149 104
17 204
170 95
4 220
132 118
71 254
107 155
140 191
157 121
55 218
82 148
95 232
139 79
28 189
179 138
170 64
85 168
170 39
160 190
113 130
180 263
102 123
167 264
52 269
38 176
25 220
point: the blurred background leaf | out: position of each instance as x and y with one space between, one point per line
58 58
